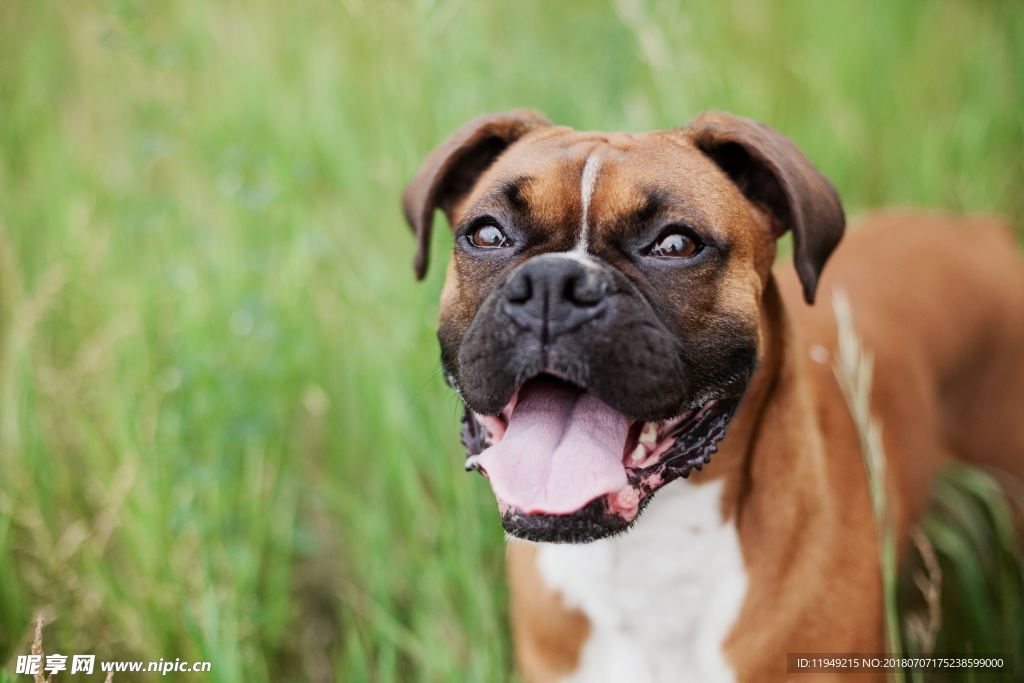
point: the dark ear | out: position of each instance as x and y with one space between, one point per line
450 171
777 177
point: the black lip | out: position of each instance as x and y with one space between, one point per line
696 442
589 523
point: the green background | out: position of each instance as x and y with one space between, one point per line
223 434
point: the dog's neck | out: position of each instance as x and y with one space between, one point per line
775 469
763 450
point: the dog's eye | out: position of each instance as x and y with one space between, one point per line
675 244
489 237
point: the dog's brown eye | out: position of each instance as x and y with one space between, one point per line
489 237
675 245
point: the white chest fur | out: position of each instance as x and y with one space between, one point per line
661 598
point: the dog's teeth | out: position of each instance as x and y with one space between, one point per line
471 463
638 454
649 434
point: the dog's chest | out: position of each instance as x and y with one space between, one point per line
660 599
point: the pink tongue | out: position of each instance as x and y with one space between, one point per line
561 450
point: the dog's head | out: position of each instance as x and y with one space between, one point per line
600 317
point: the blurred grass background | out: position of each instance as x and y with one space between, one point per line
222 431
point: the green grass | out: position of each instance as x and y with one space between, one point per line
222 431
978 564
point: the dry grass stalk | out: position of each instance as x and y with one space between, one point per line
37 649
853 369
924 629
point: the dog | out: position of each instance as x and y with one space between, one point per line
613 324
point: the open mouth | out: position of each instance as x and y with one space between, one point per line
566 467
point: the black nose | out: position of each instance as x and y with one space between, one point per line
553 294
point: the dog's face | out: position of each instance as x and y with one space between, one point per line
600 316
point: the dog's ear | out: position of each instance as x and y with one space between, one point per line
450 171
777 177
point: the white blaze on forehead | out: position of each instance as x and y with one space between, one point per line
588 179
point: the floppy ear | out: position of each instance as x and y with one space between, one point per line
777 177
450 171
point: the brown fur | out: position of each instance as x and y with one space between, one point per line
938 300
548 636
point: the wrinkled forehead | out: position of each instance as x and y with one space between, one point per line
597 182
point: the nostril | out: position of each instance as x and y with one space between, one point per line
584 290
519 290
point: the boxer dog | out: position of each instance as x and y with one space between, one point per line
611 320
